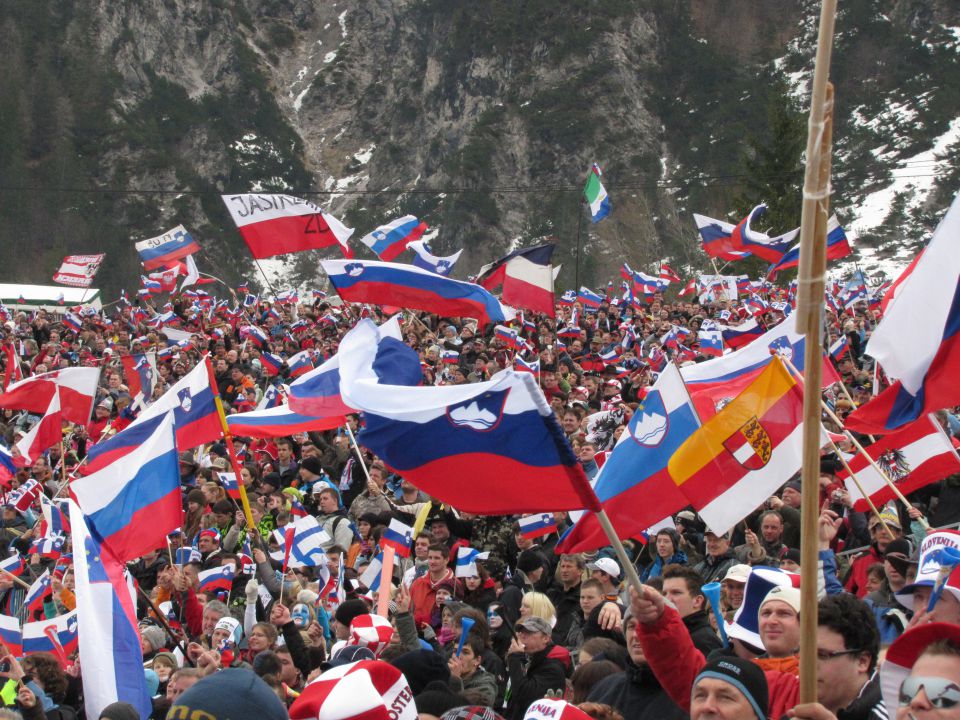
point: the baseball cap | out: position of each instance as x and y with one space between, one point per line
608 565
929 563
534 624
784 593
737 573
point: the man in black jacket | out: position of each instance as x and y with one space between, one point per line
564 593
532 669
681 584
719 558
636 693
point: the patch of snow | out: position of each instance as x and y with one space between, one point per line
327 26
917 173
524 104
298 102
330 57
342 19
364 155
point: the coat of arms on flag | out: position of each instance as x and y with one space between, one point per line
750 445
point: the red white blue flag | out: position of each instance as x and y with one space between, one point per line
167 248
390 240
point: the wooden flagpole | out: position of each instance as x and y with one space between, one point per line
810 289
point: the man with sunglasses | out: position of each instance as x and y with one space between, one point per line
921 675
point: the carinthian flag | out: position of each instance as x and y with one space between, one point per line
596 195
78 270
918 340
745 452
526 276
278 224
917 455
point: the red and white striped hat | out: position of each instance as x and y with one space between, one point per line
905 651
372 632
365 690
547 709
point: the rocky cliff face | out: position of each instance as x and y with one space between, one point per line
482 118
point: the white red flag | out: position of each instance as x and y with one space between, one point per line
278 224
917 455
78 270
77 388
44 434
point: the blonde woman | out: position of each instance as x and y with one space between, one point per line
538 605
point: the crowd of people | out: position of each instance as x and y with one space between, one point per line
531 633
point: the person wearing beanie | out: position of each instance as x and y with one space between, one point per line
310 471
531 566
731 688
420 667
471 712
881 535
436 698
228 695
152 640
119 711
342 617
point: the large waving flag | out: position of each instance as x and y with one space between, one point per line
279 421
167 248
107 611
45 433
195 418
278 224
501 429
78 270
918 340
132 505
309 542
526 276
317 393
718 240
837 247
736 336
596 195
715 382
390 240
634 485
772 249
77 388
744 453
383 283
426 260
914 456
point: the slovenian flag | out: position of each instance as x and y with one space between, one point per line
530 366
301 363
218 579
390 240
167 248
425 259
228 481
596 195
839 347
589 299
398 536
534 526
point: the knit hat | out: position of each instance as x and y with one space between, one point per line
153 635
230 694
346 655
372 632
437 698
549 709
119 711
784 593
348 610
369 689
471 712
744 675
530 560
231 625
898 555
210 533
312 465
272 479
196 496
420 667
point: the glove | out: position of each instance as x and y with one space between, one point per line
429 634
252 591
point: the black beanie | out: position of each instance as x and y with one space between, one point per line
312 464
530 560
119 711
420 667
230 694
436 698
349 609
745 675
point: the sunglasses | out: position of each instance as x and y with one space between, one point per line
941 693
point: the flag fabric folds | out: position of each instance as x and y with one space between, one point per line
634 485
537 525
390 240
717 237
745 452
500 429
78 270
77 387
596 195
132 506
308 541
107 611
11 635
837 247
279 421
381 283
426 260
912 457
56 635
37 593
526 276
317 393
918 340
44 434
467 561
399 536
278 224
167 248
215 580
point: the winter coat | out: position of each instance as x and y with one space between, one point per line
637 695
531 677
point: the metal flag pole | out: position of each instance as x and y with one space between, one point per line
810 289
